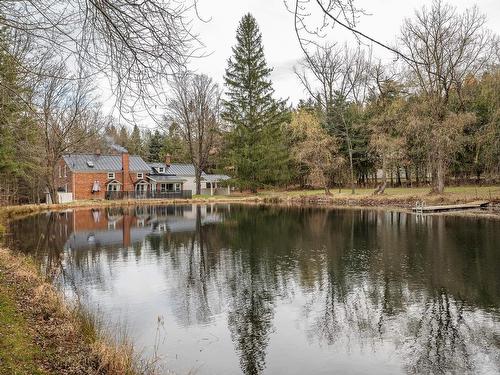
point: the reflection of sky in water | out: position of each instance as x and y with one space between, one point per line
248 289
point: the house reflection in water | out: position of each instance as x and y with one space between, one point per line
124 227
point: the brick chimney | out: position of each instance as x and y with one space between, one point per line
168 159
127 183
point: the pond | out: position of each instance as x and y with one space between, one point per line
227 289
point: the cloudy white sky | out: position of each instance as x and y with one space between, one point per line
280 44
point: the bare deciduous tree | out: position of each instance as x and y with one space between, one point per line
194 107
334 77
445 48
69 119
136 43
314 148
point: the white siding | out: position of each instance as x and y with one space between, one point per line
189 184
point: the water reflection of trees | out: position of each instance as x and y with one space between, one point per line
429 287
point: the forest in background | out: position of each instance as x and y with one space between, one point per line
432 118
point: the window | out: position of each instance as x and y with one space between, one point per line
209 185
140 175
111 175
167 187
177 187
113 187
161 170
65 171
60 174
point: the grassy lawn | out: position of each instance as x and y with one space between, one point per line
465 192
453 193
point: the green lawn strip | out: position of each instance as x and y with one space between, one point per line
17 351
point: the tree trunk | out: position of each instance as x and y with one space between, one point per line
351 166
198 180
408 177
383 183
51 183
439 177
325 184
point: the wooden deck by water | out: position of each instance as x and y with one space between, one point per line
450 207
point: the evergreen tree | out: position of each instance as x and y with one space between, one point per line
156 144
175 145
135 142
257 150
123 137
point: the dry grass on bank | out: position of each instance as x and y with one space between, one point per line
465 193
40 334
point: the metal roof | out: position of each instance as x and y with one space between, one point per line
175 169
215 177
105 163
184 170
163 178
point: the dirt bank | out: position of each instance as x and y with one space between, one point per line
40 334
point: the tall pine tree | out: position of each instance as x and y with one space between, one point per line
155 146
256 147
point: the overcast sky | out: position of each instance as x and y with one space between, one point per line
280 44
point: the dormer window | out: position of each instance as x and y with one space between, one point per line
161 170
111 175
140 175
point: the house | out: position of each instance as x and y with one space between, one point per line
167 175
97 176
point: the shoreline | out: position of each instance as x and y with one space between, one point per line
402 203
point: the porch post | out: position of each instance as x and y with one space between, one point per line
212 188
228 190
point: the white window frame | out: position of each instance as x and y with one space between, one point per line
161 169
113 187
141 188
111 175
65 171
60 172
177 187
163 187
140 175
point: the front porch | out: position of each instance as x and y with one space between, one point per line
148 194
214 185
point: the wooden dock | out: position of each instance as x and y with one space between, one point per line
422 208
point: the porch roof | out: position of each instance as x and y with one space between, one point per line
113 182
163 178
214 177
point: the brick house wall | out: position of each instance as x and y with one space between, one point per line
80 183
83 182
63 177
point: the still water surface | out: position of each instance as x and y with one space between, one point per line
228 289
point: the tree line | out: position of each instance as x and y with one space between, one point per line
430 118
